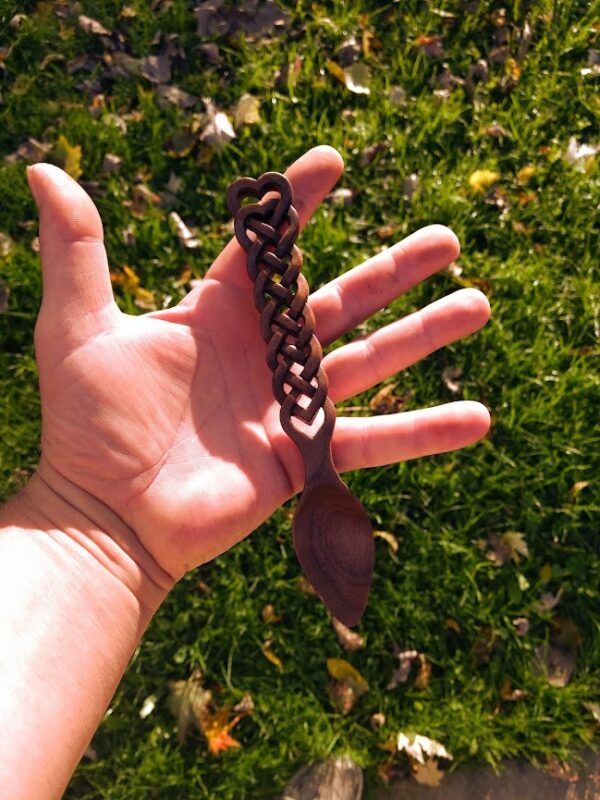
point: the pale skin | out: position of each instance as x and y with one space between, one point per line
162 448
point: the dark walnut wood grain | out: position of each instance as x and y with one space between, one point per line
332 533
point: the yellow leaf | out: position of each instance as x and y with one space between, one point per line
342 670
246 111
525 174
546 573
69 156
389 538
335 70
424 673
482 179
216 729
270 655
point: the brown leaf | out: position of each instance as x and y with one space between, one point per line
269 616
484 645
6 245
342 196
343 696
31 150
496 130
431 46
348 52
509 694
180 143
184 234
350 640
450 378
253 20
385 401
406 659
453 625
111 163
367 154
424 756
177 96
377 720
508 547
548 601
556 658
521 625
157 69
90 25
424 673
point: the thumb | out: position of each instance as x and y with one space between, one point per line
75 274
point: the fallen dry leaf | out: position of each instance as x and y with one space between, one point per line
367 154
548 601
428 774
157 69
510 694
377 720
424 755
484 644
342 670
348 52
348 684
342 196
246 111
335 779
350 640
188 701
216 729
111 163
177 96
521 625
357 78
508 547
305 586
389 538
525 174
406 659
148 706
577 488
578 155
269 616
594 709
556 658
482 179
431 46
184 234
397 96
450 378
90 25
424 674
386 401
217 131
270 655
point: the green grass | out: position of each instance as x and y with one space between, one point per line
535 365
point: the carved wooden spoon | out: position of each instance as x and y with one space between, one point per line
332 533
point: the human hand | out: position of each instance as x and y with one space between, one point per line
168 418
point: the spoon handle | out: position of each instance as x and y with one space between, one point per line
267 230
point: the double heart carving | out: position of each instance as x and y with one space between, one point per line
267 230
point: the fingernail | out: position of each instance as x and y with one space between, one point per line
28 173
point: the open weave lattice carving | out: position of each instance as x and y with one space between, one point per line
268 231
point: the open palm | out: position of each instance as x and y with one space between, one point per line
169 419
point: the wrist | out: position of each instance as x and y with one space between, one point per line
88 529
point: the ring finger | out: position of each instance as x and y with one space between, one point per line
361 364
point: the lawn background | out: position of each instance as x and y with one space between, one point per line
529 241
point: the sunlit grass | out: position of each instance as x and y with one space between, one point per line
535 365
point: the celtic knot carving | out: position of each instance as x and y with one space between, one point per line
267 230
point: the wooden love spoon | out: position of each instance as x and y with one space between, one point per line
332 533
